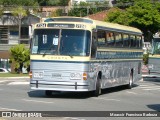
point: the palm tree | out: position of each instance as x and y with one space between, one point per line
19 12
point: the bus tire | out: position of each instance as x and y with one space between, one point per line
48 93
98 90
130 85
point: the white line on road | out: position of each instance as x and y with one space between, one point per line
106 99
152 89
74 118
143 85
18 83
27 100
131 92
9 109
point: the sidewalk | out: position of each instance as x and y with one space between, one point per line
15 78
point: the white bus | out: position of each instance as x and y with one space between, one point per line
81 54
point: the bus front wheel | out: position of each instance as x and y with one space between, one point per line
98 90
48 92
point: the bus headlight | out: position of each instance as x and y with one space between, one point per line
76 76
37 74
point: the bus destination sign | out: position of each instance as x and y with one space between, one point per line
59 25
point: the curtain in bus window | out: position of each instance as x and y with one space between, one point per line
110 39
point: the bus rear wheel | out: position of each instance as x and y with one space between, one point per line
48 93
98 90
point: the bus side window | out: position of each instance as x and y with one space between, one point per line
94 45
137 42
132 41
118 39
101 38
126 40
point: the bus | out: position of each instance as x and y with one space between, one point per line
107 55
154 57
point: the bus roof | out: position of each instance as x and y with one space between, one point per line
98 24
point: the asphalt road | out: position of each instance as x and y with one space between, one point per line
15 95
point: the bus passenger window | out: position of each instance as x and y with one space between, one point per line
101 41
132 41
139 41
118 39
126 40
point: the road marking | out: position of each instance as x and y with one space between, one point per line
4 81
106 99
131 92
152 89
27 100
74 118
18 83
9 109
143 85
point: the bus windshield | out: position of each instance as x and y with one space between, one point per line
156 46
61 42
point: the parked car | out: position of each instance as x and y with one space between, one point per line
3 70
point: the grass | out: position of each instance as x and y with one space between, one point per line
13 75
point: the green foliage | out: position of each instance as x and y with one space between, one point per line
19 12
53 2
18 2
144 15
1 11
20 56
56 13
145 58
117 15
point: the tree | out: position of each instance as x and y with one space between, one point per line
19 12
53 2
21 56
144 15
18 2
58 12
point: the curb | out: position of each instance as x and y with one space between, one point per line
13 78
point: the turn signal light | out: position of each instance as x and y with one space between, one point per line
30 74
84 76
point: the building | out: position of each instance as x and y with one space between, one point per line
9 34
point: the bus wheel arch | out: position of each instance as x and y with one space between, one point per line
98 83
